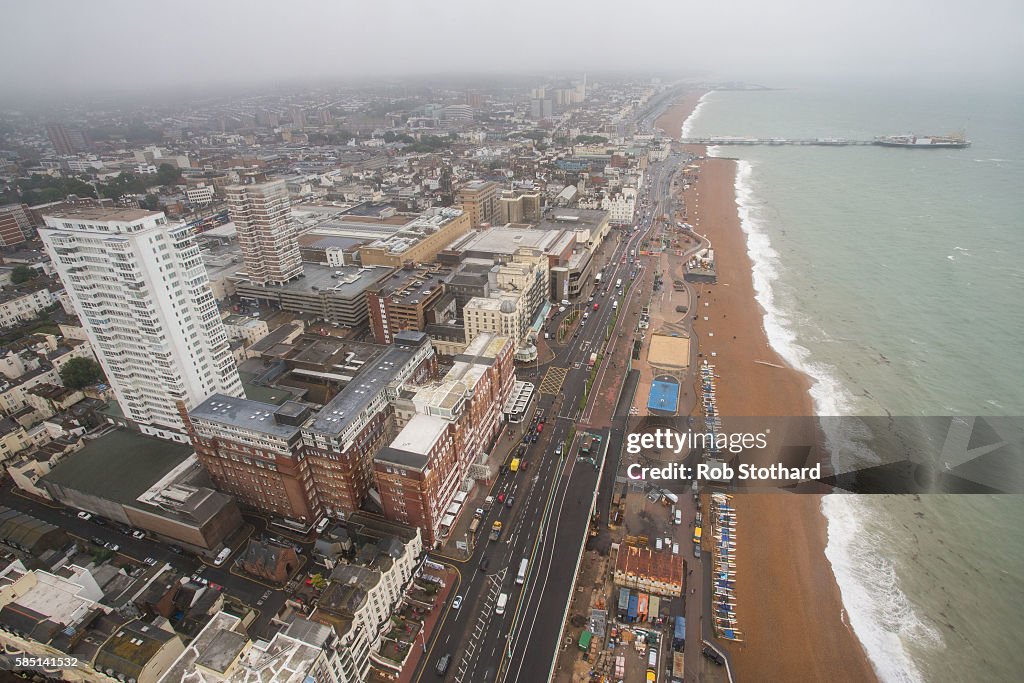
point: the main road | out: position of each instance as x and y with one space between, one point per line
554 497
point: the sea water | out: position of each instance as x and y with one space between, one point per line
895 279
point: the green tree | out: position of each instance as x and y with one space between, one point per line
22 273
150 202
81 372
167 174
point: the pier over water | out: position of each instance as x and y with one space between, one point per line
904 141
819 142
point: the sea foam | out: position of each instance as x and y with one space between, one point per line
879 612
692 118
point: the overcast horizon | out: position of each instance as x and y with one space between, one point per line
112 46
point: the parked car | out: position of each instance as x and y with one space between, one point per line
479 513
112 546
84 515
713 656
221 556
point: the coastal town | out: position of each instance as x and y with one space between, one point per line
336 386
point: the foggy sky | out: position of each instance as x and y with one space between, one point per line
64 45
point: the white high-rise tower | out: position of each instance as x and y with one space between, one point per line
139 285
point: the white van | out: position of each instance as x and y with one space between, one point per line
657 544
322 524
679 517
521 576
223 555
615 304
502 601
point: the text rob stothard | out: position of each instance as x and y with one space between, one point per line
719 471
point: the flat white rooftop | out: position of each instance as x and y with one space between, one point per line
420 434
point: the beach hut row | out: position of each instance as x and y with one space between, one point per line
709 400
723 586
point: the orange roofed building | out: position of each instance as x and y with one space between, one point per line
660 573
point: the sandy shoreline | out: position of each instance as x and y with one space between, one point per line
788 602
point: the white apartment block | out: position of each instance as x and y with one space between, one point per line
262 214
518 288
200 196
139 286
21 306
304 652
621 208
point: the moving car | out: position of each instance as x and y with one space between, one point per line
138 534
84 515
112 546
510 501
442 664
149 561
457 602
322 524
479 512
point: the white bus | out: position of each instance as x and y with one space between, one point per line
521 576
502 601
